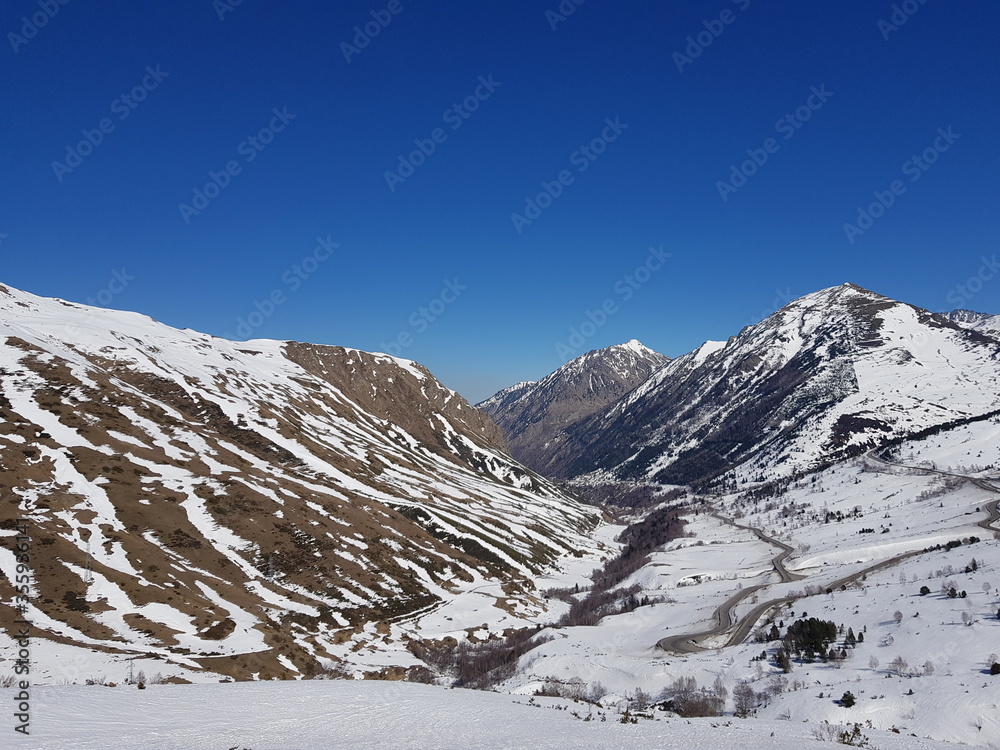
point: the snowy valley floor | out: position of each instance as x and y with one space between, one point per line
320 715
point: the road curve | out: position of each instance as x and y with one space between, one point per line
779 562
688 643
724 619
983 484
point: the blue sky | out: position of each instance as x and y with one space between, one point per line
478 180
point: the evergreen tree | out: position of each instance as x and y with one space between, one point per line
783 661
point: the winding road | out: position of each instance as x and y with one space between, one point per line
983 484
689 643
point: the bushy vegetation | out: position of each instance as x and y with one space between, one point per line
624 495
640 539
573 688
483 665
685 698
810 637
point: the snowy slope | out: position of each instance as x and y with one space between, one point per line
352 715
827 376
195 499
824 518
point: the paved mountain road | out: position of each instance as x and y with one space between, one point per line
688 643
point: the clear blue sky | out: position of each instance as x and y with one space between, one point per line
208 85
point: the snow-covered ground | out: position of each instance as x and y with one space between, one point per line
336 714
953 697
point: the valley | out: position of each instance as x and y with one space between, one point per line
633 536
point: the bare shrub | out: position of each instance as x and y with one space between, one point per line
574 688
479 666
685 698
777 684
333 671
596 692
899 667
744 700
826 732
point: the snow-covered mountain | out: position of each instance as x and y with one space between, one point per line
827 376
535 416
975 320
243 506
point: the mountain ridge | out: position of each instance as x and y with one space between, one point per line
788 393
533 416
246 507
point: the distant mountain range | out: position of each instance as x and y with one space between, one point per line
829 375
977 320
535 417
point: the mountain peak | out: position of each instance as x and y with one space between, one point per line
633 345
830 375
847 290
534 416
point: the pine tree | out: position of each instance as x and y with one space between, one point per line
783 661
